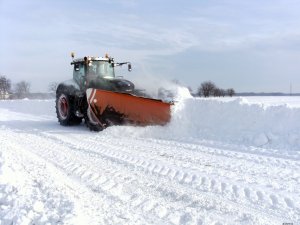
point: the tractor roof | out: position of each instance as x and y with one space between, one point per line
90 58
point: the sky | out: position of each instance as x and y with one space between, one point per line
245 45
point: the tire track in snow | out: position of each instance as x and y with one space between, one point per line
201 163
280 154
243 165
202 157
144 203
107 186
89 201
267 198
35 201
175 174
257 158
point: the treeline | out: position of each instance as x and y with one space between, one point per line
20 90
9 91
208 89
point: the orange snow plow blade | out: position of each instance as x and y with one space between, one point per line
128 108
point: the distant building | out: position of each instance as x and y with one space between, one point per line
4 95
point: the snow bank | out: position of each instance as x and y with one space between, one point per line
230 121
237 121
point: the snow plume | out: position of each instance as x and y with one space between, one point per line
161 88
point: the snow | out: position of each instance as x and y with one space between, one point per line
238 122
219 161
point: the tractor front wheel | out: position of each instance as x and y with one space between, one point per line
92 122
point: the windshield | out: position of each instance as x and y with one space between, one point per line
101 69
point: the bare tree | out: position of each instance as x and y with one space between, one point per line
230 92
53 86
217 92
206 89
5 87
223 92
22 89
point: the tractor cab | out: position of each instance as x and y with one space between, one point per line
99 72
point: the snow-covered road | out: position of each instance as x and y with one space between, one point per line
185 173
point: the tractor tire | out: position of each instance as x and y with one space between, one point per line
91 122
65 110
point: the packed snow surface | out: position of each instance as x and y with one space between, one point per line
219 161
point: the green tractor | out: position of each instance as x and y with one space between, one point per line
96 95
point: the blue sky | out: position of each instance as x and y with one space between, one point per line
247 45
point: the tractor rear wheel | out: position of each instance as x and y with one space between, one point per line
65 110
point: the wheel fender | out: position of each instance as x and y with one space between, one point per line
68 87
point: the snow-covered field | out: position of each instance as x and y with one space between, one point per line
219 161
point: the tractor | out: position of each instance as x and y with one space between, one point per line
102 99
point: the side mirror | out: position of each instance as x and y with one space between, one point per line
129 67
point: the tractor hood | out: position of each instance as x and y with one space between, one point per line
122 85
111 84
